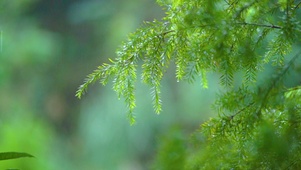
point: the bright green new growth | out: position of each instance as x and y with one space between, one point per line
258 126
201 36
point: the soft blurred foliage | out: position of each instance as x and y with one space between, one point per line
47 49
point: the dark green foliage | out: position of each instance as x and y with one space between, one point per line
13 155
258 126
172 151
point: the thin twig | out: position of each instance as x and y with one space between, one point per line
260 25
297 6
227 2
287 10
241 110
167 32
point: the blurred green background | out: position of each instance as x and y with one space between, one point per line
47 49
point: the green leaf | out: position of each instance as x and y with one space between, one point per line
14 155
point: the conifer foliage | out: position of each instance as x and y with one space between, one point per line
259 124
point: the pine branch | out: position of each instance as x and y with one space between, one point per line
276 80
91 78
